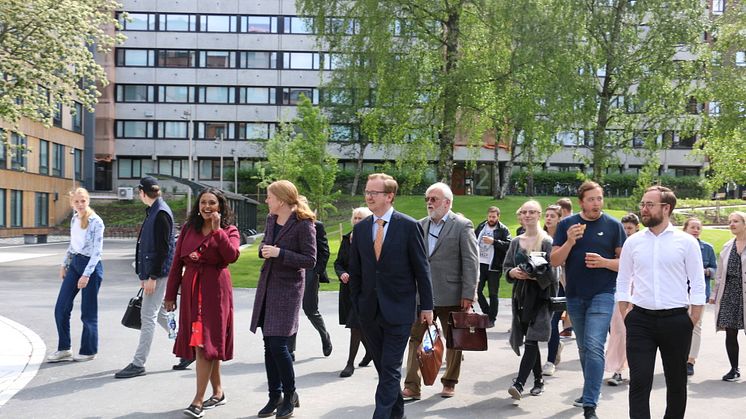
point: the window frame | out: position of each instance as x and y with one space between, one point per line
41 209
44 154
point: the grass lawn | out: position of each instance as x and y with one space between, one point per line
245 272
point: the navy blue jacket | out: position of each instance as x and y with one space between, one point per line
155 243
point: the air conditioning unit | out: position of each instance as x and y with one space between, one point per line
125 193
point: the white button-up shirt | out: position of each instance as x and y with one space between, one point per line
665 271
387 218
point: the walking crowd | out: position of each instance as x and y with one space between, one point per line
602 277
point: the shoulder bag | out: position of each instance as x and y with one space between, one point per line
131 316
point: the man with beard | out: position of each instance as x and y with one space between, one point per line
493 238
452 252
589 244
664 267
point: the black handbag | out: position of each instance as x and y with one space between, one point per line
558 304
131 316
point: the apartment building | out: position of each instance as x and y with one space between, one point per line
211 79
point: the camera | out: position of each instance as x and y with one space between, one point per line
536 265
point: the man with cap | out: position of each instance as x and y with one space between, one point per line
153 255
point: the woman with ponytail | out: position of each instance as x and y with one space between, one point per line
81 271
288 249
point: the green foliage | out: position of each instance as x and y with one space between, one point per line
298 153
45 58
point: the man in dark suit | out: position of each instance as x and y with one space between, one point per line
388 270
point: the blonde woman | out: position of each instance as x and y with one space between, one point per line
728 295
82 272
347 315
531 297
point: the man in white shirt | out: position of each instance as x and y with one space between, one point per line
664 267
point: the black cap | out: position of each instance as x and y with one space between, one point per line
147 183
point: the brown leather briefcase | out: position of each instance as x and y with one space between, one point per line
467 331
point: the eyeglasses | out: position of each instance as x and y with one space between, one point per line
530 212
429 199
373 193
649 205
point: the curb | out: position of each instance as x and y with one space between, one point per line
20 356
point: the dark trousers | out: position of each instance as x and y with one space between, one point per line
531 361
311 307
88 306
279 366
387 344
492 279
554 338
646 334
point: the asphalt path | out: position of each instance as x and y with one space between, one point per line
29 285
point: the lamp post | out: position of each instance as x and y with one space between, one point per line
72 153
235 170
219 139
190 133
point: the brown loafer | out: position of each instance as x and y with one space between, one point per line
448 391
408 394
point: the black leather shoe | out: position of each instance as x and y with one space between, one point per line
288 405
347 372
366 361
183 364
272 405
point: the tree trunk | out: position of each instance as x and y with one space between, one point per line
505 188
358 167
450 96
498 190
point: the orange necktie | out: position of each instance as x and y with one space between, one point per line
378 244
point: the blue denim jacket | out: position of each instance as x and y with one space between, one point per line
94 244
709 260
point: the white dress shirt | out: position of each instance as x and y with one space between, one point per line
661 269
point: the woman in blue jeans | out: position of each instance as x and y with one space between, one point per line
81 271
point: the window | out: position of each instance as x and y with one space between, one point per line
567 138
135 57
78 163
18 152
291 95
43 157
638 140
255 131
217 94
176 58
175 94
41 213
134 129
3 217
300 61
617 102
337 25
694 107
57 118
257 95
77 114
258 59
58 160
3 154
718 7
741 58
173 167
259 24
217 59
713 108
16 208
172 129
134 93
177 23
301 25
138 22
341 132
214 130
129 168
217 23
683 142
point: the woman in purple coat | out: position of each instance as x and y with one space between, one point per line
208 243
288 249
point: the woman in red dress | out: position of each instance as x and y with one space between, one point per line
208 243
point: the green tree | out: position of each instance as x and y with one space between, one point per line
47 55
643 66
298 153
724 138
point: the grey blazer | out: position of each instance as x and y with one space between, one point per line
454 264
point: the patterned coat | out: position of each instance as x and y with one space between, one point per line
279 292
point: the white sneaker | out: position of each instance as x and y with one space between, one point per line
548 369
83 358
59 356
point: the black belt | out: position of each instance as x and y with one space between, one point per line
662 313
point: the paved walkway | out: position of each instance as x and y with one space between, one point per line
88 390
21 352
